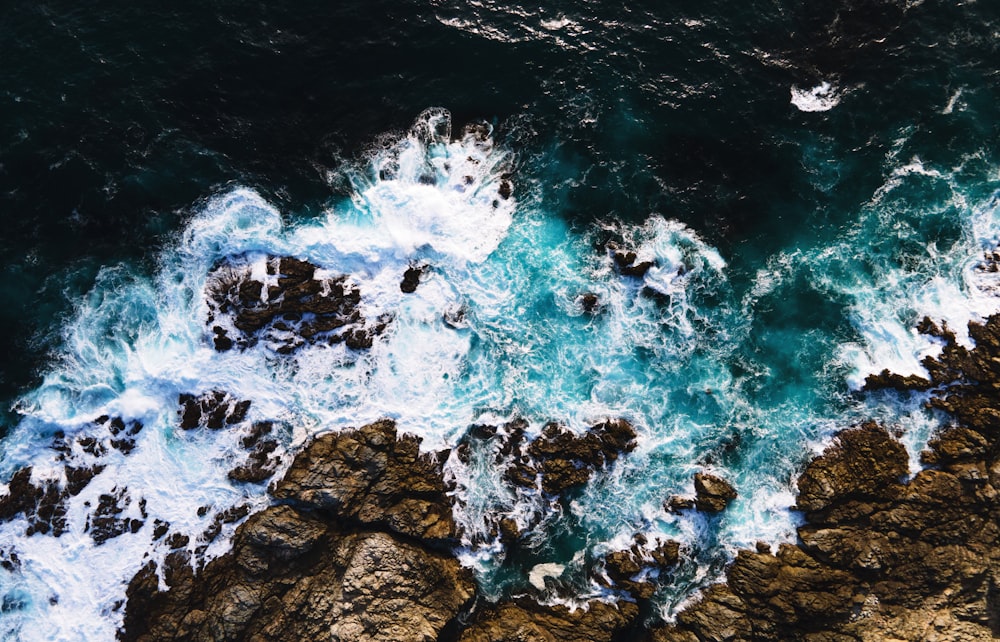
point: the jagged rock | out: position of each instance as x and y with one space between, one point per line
881 558
315 568
677 503
107 522
625 262
296 309
712 493
590 303
526 620
564 460
44 504
900 383
622 567
372 476
864 463
213 410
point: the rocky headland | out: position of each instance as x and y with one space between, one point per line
358 542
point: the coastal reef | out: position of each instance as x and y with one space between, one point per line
358 542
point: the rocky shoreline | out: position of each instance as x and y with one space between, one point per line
358 543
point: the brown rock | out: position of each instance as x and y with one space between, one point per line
525 620
297 571
712 493
865 463
371 476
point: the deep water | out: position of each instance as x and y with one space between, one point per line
810 179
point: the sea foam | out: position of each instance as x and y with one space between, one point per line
495 331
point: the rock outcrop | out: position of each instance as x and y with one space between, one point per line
357 548
290 306
557 459
351 554
880 557
526 620
712 493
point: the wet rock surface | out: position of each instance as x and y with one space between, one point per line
291 305
215 410
353 553
558 460
881 557
44 502
375 477
712 493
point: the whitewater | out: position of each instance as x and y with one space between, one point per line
695 357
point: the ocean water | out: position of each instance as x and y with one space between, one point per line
809 183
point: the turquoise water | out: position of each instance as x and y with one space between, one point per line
738 372
810 181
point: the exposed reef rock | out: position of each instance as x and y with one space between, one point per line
625 262
215 410
291 305
352 554
411 279
44 502
558 460
880 557
712 493
628 568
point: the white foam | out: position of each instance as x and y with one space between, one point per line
822 97
538 573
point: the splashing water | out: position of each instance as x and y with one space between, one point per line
744 375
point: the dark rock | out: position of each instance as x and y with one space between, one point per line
678 503
625 262
886 379
565 460
43 505
299 310
77 478
106 521
589 303
411 279
712 493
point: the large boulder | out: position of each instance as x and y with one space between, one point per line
373 476
353 553
712 493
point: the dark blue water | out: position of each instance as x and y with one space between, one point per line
819 176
